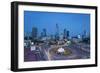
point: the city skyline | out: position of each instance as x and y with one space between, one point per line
56 36
74 22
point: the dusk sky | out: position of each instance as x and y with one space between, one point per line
75 23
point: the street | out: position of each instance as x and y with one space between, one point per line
43 53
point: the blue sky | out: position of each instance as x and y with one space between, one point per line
74 22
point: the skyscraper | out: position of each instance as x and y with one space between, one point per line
65 34
44 32
84 31
57 32
34 33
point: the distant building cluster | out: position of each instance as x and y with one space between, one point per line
40 37
43 36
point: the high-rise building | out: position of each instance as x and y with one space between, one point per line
44 32
84 31
41 34
84 34
57 32
34 33
65 34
